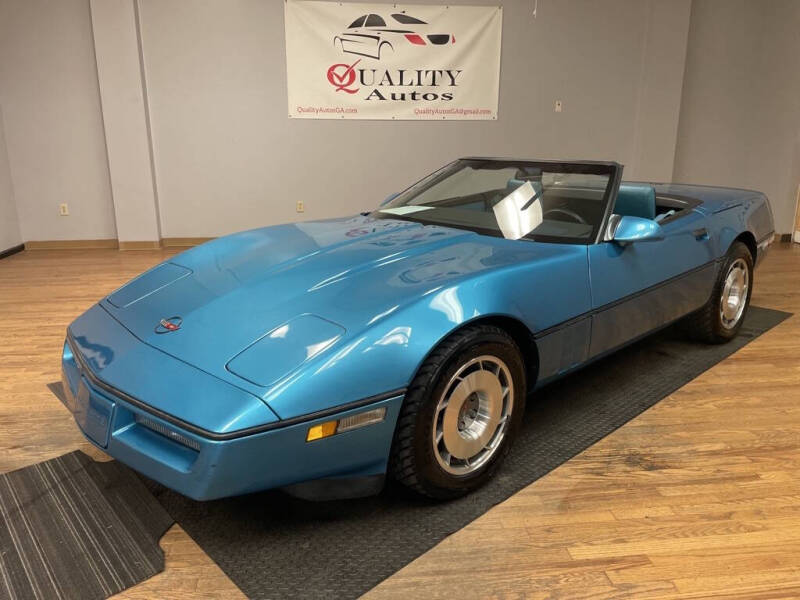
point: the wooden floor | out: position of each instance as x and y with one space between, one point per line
697 497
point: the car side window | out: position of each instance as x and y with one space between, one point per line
375 21
358 22
407 20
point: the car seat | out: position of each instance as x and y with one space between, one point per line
636 200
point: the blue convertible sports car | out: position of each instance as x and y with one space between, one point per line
319 357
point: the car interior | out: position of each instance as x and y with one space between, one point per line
641 200
572 211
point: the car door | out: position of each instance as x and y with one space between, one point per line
638 287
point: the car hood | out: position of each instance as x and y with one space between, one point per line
327 280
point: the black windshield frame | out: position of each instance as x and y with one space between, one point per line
612 170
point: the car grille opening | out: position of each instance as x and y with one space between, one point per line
167 432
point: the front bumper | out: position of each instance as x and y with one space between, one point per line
204 468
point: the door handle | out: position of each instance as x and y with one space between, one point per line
700 234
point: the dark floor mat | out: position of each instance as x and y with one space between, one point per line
71 527
274 546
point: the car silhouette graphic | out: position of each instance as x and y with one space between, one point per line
371 36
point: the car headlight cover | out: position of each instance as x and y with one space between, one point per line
284 348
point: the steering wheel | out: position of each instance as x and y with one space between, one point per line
570 213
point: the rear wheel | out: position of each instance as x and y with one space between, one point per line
721 318
460 415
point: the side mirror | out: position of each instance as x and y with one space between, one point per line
627 229
389 198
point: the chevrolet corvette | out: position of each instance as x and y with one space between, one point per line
322 357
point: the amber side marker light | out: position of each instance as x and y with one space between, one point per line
329 428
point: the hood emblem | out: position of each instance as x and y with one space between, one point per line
168 325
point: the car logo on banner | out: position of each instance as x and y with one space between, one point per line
352 60
169 325
369 35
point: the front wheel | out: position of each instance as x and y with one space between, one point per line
460 415
721 318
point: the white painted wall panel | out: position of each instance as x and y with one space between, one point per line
125 119
53 124
9 223
740 113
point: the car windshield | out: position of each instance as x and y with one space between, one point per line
543 201
358 22
375 21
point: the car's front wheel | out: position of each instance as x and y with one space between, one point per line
461 413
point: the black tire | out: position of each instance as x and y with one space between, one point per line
413 460
708 324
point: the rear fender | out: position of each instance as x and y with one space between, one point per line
753 215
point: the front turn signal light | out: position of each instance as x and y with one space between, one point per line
329 428
323 430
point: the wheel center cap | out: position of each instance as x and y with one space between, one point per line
472 414
469 411
470 418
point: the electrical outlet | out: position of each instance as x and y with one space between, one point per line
300 206
63 209
558 106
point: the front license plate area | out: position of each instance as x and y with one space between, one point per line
93 414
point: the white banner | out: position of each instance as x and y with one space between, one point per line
392 61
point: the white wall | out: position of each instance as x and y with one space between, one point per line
9 224
122 92
658 110
52 118
228 158
740 112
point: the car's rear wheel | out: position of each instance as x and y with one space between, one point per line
722 316
460 415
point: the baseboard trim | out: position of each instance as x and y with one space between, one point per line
183 242
177 242
12 250
72 244
148 245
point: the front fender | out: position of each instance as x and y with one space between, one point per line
386 354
